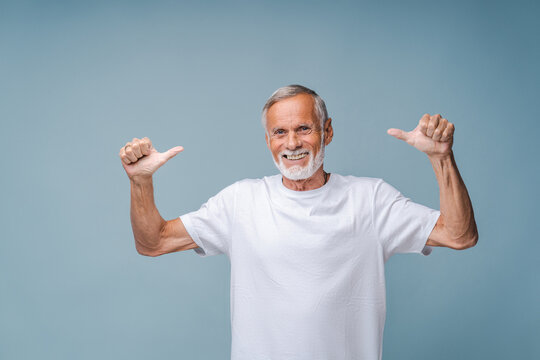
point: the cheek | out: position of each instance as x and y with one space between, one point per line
315 144
275 149
314 141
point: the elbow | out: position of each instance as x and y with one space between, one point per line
474 239
150 245
144 251
147 253
469 241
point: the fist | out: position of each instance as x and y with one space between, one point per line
141 160
434 135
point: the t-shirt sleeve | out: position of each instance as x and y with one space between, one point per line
210 227
401 225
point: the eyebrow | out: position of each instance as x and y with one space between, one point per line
279 128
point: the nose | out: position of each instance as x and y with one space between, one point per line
293 141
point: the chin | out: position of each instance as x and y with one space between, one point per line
301 173
297 172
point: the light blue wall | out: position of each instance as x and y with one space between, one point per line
79 80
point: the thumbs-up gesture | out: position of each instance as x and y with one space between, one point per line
434 135
141 160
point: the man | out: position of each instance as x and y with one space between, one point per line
307 248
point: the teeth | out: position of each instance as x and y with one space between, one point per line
296 157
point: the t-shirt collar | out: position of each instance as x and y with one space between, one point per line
304 194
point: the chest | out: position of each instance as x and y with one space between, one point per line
289 241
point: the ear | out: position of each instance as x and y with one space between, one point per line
328 131
266 139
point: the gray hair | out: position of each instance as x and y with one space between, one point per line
293 90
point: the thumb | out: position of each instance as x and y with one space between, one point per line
398 134
169 154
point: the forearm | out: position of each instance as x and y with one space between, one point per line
145 218
455 204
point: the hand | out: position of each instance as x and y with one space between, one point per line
141 160
434 135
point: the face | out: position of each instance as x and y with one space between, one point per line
295 137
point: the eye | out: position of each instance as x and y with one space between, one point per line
279 132
304 129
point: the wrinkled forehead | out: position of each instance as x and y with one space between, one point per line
292 111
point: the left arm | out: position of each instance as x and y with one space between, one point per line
456 227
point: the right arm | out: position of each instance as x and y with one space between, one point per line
153 235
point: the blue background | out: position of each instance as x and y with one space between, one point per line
80 79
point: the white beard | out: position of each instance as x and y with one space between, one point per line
297 172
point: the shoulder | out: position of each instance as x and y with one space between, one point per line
258 182
248 182
356 180
251 185
357 183
367 187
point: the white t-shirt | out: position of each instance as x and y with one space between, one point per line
307 267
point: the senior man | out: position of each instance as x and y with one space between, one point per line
307 248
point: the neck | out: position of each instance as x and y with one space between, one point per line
314 182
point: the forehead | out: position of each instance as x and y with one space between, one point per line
293 110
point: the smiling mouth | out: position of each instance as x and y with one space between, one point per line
295 157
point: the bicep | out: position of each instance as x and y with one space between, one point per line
174 237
